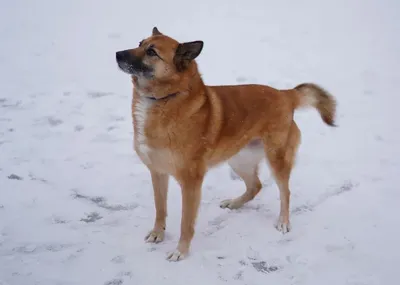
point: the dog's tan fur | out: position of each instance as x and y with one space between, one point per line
192 127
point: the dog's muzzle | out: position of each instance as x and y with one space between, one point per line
132 64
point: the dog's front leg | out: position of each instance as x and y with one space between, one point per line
191 195
160 187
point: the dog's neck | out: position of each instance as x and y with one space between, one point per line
155 96
165 91
145 90
169 96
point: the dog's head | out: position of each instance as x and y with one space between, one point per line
158 59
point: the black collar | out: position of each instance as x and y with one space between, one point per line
165 97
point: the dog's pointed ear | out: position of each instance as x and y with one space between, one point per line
156 32
186 52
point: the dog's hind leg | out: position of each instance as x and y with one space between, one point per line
245 165
281 149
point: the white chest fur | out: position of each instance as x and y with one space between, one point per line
159 159
141 113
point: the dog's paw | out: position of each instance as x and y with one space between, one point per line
231 204
283 227
176 255
155 236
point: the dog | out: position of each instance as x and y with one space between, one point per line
183 128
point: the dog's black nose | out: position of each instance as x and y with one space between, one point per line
120 55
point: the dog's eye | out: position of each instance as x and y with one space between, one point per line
140 43
151 52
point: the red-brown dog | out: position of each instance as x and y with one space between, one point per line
183 127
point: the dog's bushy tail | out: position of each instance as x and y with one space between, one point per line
312 95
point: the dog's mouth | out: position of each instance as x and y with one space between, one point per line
127 68
132 65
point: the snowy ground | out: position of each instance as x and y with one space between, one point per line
76 203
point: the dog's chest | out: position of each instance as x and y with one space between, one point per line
159 158
140 117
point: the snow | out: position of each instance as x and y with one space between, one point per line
76 202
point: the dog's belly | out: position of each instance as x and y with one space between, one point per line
253 150
246 160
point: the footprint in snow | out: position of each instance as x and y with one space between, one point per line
78 128
263 267
15 177
118 259
92 217
102 203
54 121
114 282
99 94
